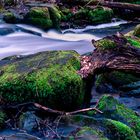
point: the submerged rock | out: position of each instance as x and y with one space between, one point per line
49 78
119 131
28 121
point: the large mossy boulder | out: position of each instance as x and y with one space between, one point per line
49 78
114 110
87 133
39 16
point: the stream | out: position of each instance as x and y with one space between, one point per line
23 39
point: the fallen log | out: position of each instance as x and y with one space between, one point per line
119 5
106 57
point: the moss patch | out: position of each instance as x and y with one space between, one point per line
39 17
112 109
9 17
87 133
133 42
119 131
105 44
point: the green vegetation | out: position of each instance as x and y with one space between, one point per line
95 16
87 132
116 78
119 131
2 119
49 78
55 16
133 42
112 109
40 17
9 17
105 44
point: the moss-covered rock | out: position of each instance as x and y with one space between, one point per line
66 14
49 78
55 15
137 31
9 17
95 16
116 79
39 16
112 109
87 133
119 131
105 44
2 118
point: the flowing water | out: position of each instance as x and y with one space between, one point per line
24 39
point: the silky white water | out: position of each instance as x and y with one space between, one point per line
23 39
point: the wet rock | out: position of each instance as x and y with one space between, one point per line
112 109
49 78
86 133
132 89
119 131
28 121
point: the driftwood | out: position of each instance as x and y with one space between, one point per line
123 57
49 110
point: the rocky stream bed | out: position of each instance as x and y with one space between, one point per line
68 71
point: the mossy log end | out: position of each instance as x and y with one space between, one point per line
111 53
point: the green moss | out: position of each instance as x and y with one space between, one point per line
105 44
114 110
66 14
118 78
137 31
100 80
100 15
9 17
119 130
55 16
2 119
40 17
49 78
95 16
133 42
87 132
